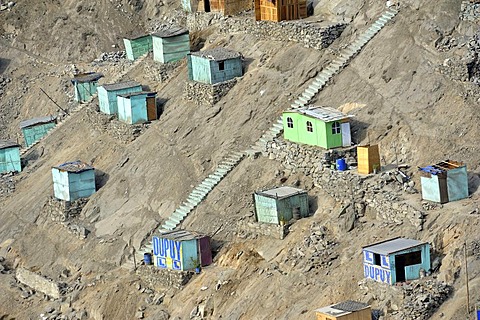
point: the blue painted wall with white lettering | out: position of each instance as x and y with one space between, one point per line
175 255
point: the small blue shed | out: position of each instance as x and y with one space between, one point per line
35 129
85 85
9 157
107 94
181 250
214 65
396 260
170 45
73 180
137 107
445 181
137 46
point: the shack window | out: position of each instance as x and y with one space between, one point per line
412 258
377 259
221 65
289 122
309 126
336 127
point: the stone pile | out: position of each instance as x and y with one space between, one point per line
206 94
79 231
310 34
161 72
3 84
422 298
3 266
475 249
114 56
469 11
366 194
7 184
61 211
155 277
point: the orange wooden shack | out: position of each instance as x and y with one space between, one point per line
368 158
278 10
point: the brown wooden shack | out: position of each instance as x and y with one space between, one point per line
368 159
226 7
278 10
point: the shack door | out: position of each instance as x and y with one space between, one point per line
205 251
346 137
151 109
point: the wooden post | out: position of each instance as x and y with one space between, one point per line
134 259
58 106
466 278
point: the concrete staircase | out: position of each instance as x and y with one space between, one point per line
80 107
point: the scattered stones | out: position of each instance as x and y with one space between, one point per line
161 72
7 184
38 282
115 56
206 94
422 298
469 10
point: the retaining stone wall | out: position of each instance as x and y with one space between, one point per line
60 210
38 283
265 229
206 94
7 184
155 277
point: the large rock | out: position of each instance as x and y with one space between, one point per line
38 283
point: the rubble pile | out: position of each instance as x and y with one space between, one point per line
422 298
7 184
3 84
206 94
161 72
469 10
114 56
61 211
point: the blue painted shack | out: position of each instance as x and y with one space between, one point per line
137 107
35 129
181 250
137 46
170 45
445 181
280 205
107 94
85 85
9 157
214 65
73 180
396 260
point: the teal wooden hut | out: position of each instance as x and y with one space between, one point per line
170 45
181 250
396 260
136 47
317 126
137 107
444 182
9 157
107 94
85 85
73 180
214 65
280 205
35 129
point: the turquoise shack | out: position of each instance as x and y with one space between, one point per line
170 45
107 94
85 85
9 157
396 260
73 180
136 47
280 205
137 107
317 126
35 129
181 250
445 181
214 65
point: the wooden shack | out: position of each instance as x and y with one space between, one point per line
279 10
368 158
181 250
396 260
107 94
347 310
225 7
136 47
137 107
9 157
280 205
317 126
444 182
170 45
73 180
35 129
85 85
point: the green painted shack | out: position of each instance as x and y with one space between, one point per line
35 129
136 47
214 65
444 182
280 205
170 45
9 157
317 126
107 94
85 85
137 107
73 180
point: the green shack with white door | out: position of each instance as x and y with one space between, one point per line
35 129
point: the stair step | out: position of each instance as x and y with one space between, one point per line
278 125
296 105
170 224
182 211
224 166
194 198
194 202
187 205
176 220
308 95
319 83
222 170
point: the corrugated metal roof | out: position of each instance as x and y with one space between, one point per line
120 85
34 121
4 144
281 192
217 54
128 95
180 235
172 32
442 167
326 114
87 77
74 166
343 308
393 245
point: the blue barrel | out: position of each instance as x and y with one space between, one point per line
147 258
341 164
478 314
